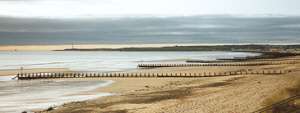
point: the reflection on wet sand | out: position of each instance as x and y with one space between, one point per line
18 96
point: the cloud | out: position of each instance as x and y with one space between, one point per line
194 29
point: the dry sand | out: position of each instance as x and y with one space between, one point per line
228 94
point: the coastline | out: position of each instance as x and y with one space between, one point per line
137 94
47 93
86 46
117 47
89 94
241 93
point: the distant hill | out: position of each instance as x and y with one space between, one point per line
248 48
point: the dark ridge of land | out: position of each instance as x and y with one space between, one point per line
246 48
267 51
263 56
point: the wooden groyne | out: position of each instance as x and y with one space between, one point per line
214 64
256 60
28 76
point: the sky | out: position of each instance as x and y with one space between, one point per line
141 21
112 8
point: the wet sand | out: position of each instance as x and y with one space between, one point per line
18 96
227 94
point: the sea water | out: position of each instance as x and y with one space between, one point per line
103 60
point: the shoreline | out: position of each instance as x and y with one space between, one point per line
129 64
87 91
88 95
243 93
139 93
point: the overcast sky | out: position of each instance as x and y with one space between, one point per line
104 8
81 21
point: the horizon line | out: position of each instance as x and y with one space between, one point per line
115 46
264 15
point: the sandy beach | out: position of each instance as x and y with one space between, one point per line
227 94
149 56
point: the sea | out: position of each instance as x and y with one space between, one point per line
104 61
18 96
